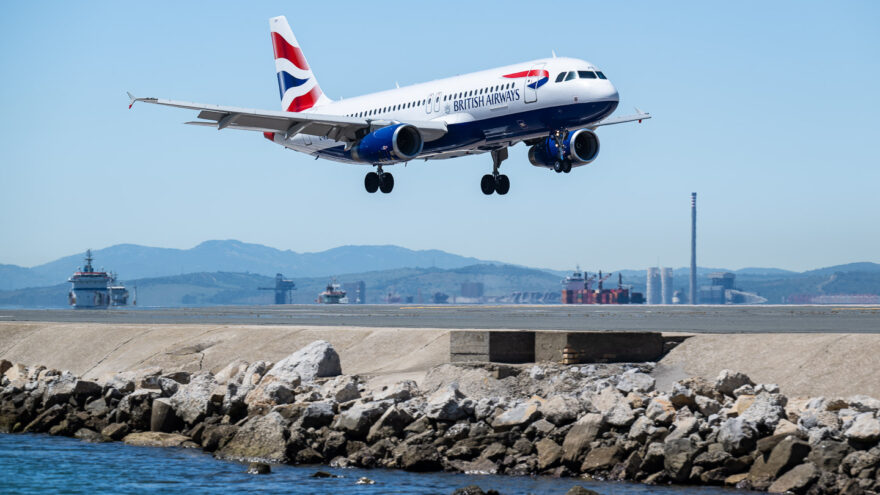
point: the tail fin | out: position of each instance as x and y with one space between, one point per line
298 87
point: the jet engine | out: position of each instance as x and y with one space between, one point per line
579 147
394 143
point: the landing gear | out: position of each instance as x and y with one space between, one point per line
561 164
379 181
496 182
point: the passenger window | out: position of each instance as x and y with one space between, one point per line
601 76
586 74
571 75
560 77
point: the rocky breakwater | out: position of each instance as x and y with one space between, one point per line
601 421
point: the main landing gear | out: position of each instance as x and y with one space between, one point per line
496 182
561 164
379 181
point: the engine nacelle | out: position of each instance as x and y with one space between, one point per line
580 146
394 143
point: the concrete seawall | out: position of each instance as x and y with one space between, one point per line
802 364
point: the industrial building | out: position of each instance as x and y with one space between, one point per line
653 292
357 292
722 290
283 288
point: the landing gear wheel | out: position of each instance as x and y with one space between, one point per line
566 166
371 182
487 184
386 183
502 184
557 166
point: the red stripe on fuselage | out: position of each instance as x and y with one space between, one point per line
528 73
283 49
305 101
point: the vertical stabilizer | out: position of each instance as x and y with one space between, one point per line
298 87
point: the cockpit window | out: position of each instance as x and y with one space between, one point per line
571 75
560 77
601 76
586 74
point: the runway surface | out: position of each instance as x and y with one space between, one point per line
698 319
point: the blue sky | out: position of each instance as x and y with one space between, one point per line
767 109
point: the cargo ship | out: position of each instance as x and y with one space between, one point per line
577 288
95 289
333 294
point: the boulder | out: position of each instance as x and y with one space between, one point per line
561 410
635 381
85 389
216 437
790 452
765 412
444 404
660 410
796 480
97 407
399 392
707 406
232 370
683 428
678 458
520 415
59 389
418 458
159 439
89 435
614 407
863 403
681 396
259 468
269 393
640 429
315 360
577 440
192 402
16 372
134 408
356 420
341 389
168 386
865 429
828 454
601 459
737 436
392 422
162 416
261 438
549 453
317 414
728 381
239 387
115 431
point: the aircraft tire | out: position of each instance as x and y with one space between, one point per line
487 184
566 166
386 183
557 166
371 182
502 184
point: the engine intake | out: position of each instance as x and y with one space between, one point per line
580 147
394 143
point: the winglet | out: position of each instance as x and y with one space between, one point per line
131 99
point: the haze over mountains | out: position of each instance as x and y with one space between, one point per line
230 272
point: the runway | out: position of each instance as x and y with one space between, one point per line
696 319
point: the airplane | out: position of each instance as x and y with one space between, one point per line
553 105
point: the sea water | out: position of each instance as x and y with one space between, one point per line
45 464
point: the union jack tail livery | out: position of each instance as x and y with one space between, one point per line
298 87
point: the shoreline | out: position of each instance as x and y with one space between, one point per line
606 421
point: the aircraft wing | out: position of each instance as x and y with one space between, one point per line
335 127
640 116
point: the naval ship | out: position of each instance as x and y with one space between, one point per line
95 289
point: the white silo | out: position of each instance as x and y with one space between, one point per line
666 288
653 294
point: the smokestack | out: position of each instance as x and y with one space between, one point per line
693 294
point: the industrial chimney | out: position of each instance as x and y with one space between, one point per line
693 294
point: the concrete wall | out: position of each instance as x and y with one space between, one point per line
600 347
494 346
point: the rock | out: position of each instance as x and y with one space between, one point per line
115 431
269 393
495 451
322 474
660 410
363 480
561 410
860 463
785 427
261 438
469 490
317 414
315 360
797 480
790 452
239 386
707 406
418 458
456 432
168 386
341 389
520 415
683 428
737 436
578 438
16 372
357 419
765 412
742 403
89 435
162 416
216 437
614 407
865 429
97 407
863 403
744 390
682 396
828 454
635 381
728 381
579 490
549 453
45 420
601 459
678 458
399 392
59 389
640 429
192 402
134 408
232 370
259 468
85 389
158 439
479 466
444 404
392 422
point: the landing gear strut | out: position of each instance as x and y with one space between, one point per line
379 181
561 164
496 182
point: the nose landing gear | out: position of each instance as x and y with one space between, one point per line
496 182
379 181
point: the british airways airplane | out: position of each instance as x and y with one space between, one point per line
552 105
